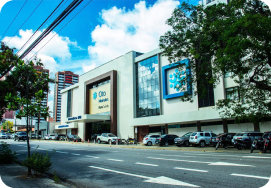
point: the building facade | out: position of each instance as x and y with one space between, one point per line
63 79
138 94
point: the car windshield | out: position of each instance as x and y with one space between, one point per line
187 134
239 134
111 135
23 133
75 136
193 134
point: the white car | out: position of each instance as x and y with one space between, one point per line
149 140
3 136
49 137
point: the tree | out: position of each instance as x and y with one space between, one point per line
226 38
7 61
30 86
8 125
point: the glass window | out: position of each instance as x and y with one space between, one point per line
148 95
232 93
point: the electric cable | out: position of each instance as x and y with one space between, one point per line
57 21
61 29
14 18
25 21
40 26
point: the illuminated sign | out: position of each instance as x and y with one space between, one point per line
99 98
176 77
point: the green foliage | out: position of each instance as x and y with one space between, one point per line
225 38
38 162
6 155
55 177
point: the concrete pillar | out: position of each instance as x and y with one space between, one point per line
198 126
166 128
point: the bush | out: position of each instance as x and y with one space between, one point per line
6 155
38 162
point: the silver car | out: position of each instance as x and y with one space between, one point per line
202 138
247 135
149 140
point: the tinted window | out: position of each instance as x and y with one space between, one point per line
187 134
194 134
201 134
207 134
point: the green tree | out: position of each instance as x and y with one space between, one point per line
7 61
31 86
7 125
226 38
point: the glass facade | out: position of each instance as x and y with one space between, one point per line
147 88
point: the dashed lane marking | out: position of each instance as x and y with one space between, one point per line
146 164
251 176
115 160
92 156
189 169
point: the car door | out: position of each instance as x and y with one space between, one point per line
207 138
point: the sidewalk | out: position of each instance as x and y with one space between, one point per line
15 176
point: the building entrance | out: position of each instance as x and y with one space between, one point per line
95 128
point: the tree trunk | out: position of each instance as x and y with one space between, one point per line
225 126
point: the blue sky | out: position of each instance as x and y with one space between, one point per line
102 31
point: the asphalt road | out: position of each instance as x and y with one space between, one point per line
100 166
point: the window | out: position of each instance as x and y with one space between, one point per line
69 104
147 88
207 134
232 93
228 74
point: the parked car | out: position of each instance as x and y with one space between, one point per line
3 136
108 137
60 137
12 135
20 136
33 136
214 139
201 138
74 138
94 136
149 140
49 137
247 135
166 139
183 140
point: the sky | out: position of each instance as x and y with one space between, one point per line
94 33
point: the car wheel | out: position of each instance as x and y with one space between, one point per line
149 143
99 141
186 143
202 144
166 143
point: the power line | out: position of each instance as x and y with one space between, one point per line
25 21
61 28
14 18
40 26
57 21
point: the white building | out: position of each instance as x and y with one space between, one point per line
134 95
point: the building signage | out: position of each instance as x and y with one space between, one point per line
99 99
63 126
175 77
74 118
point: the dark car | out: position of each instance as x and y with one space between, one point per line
74 138
20 136
166 139
94 136
183 140
223 136
60 137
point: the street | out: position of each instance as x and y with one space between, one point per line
105 166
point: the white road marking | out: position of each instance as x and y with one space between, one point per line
177 155
146 164
256 157
251 176
210 163
178 160
61 152
92 156
115 151
75 154
189 169
229 164
158 180
115 160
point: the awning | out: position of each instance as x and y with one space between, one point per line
88 118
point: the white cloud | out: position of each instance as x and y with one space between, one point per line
58 48
124 30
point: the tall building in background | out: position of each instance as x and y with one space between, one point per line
63 80
44 102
